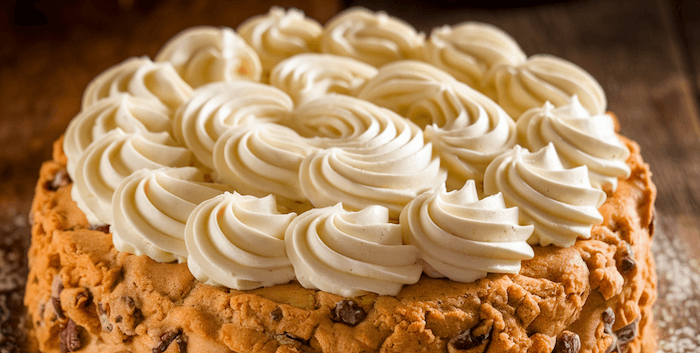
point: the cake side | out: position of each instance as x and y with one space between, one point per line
83 295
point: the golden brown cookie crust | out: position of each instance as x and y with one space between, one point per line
84 294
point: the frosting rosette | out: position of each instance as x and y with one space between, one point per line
468 50
415 90
306 77
121 111
238 242
207 54
280 34
540 79
371 37
367 156
580 139
217 107
111 159
463 238
467 129
150 209
351 253
260 159
559 202
139 77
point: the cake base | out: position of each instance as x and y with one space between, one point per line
83 295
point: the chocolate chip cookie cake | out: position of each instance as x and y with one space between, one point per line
354 187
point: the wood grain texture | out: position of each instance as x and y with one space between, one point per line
645 54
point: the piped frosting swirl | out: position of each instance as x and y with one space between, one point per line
114 157
350 253
463 238
207 54
580 139
238 241
559 202
371 37
151 207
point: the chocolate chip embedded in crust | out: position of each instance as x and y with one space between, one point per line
104 318
628 333
567 342
276 315
627 262
167 338
348 312
69 339
652 225
608 320
466 340
60 180
56 289
104 228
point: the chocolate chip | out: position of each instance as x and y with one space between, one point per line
567 342
466 340
348 312
60 180
276 315
56 289
608 320
652 225
627 264
628 333
104 228
167 338
104 318
69 340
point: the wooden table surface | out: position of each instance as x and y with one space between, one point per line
645 54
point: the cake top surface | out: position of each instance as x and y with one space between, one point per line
352 157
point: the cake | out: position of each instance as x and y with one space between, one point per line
353 187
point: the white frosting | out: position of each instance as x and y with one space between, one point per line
580 139
415 90
306 77
111 159
467 129
122 111
261 159
238 242
463 238
150 209
207 54
370 156
139 77
559 202
350 253
543 78
280 34
468 50
217 107
371 37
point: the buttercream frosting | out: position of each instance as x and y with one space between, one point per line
351 253
280 34
139 77
539 79
468 50
580 139
463 238
217 107
208 54
371 37
122 111
238 242
559 202
150 209
306 77
114 157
